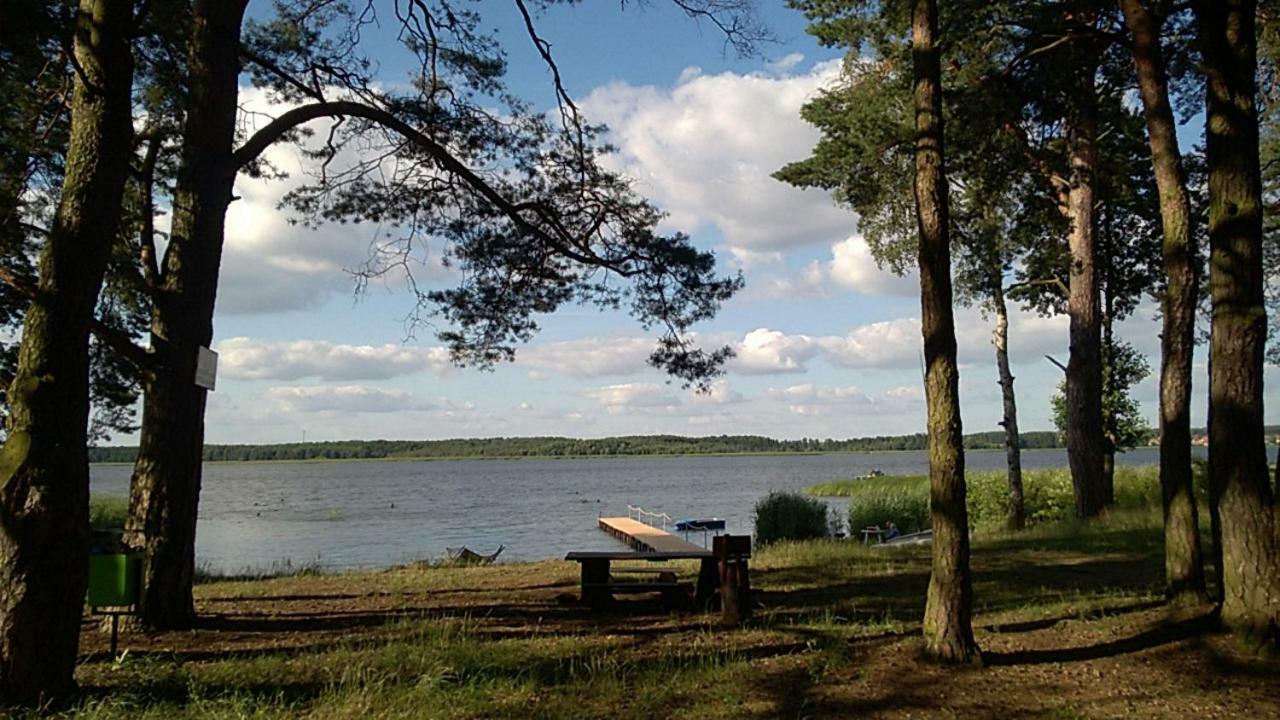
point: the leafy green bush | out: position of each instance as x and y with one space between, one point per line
1048 495
107 512
790 516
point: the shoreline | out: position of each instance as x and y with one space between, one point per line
620 456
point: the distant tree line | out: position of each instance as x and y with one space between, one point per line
515 447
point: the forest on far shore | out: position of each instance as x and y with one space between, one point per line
573 447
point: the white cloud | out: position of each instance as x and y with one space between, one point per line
764 351
852 266
704 150
720 393
811 399
619 398
906 394
243 358
888 344
1031 337
346 398
810 393
747 260
588 357
785 64
808 282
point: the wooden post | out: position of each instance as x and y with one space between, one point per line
704 596
731 553
595 577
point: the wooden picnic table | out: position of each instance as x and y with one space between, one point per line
870 532
598 586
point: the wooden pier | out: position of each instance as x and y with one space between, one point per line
646 538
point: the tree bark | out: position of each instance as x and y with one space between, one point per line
948 629
165 491
44 501
1085 439
1016 516
1183 563
1215 509
1237 446
1108 488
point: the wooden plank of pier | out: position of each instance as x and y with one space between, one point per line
647 538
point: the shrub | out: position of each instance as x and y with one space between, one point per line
790 516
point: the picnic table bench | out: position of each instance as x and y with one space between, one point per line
599 583
722 575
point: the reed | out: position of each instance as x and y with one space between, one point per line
1048 494
106 512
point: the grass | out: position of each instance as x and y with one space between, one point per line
1048 497
1068 615
106 511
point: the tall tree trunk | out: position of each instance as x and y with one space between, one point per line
165 490
1108 488
1085 440
1215 509
44 501
948 629
1184 567
1016 517
1251 564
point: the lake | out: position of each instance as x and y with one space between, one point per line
376 513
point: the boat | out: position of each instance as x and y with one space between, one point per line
700 525
466 556
917 538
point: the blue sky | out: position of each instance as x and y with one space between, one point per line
828 344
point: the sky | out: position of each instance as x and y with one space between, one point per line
828 344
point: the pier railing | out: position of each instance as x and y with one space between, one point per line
649 518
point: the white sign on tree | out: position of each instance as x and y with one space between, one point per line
206 368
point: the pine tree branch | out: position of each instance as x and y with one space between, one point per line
1054 281
113 338
561 240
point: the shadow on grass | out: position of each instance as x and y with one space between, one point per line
1005 582
1163 634
1044 624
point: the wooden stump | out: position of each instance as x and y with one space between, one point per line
731 555
595 575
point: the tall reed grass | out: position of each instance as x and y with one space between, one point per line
107 512
1048 495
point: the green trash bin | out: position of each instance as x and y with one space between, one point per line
114 579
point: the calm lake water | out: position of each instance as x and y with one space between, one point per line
371 514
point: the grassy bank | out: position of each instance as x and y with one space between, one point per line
1069 617
1048 497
